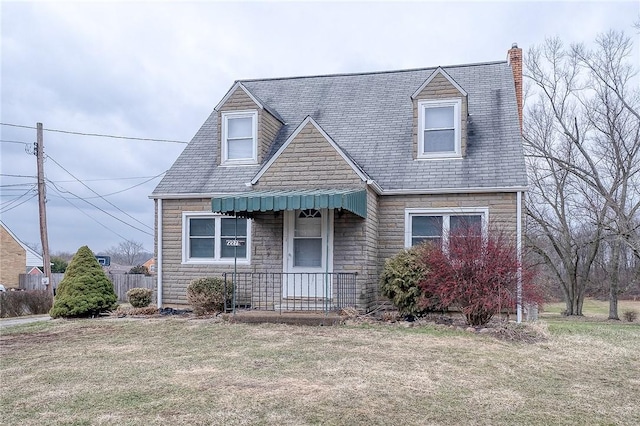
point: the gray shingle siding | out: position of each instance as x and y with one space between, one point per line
370 117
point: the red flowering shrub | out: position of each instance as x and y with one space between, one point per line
479 275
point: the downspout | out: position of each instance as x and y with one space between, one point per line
159 248
519 249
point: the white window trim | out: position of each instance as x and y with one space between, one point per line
446 213
186 260
254 123
457 107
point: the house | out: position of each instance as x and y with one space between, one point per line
150 265
35 271
298 189
15 258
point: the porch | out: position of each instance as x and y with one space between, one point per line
291 292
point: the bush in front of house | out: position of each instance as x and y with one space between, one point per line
478 274
400 279
30 302
139 297
208 295
85 290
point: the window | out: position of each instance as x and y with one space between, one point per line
239 137
439 129
307 239
435 225
211 238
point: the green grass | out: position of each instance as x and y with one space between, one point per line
593 308
201 372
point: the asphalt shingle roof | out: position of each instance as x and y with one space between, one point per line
370 117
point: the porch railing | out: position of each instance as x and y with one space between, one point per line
281 291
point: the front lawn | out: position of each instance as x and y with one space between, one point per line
202 371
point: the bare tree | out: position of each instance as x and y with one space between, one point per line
585 123
127 252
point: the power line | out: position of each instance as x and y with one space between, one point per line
111 179
21 142
89 216
131 187
21 176
111 193
100 135
9 207
99 208
109 202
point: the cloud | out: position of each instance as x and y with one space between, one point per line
156 70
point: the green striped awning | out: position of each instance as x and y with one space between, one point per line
353 200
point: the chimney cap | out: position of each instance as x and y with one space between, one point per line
514 46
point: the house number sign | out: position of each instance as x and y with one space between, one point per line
234 243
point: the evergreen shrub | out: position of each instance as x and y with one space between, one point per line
85 290
400 279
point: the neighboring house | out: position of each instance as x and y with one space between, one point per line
150 265
35 271
306 185
15 258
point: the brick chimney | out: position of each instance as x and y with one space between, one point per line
515 60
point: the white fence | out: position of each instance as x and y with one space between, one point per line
121 283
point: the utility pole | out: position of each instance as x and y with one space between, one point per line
46 259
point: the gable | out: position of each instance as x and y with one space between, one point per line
268 123
440 86
237 99
309 160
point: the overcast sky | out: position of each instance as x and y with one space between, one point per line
157 69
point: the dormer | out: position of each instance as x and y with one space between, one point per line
439 118
246 127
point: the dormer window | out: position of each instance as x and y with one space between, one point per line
239 137
439 129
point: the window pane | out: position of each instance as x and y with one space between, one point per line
438 118
202 227
426 226
239 148
202 247
307 252
228 251
228 227
435 241
462 223
308 227
240 127
439 141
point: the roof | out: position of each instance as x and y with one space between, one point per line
370 117
33 258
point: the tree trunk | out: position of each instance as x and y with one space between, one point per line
614 284
573 298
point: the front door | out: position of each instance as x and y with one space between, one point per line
308 253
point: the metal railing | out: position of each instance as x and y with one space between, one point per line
281 291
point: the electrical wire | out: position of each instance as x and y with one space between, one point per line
24 143
111 179
9 207
100 196
22 176
131 187
102 210
89 216
100 135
